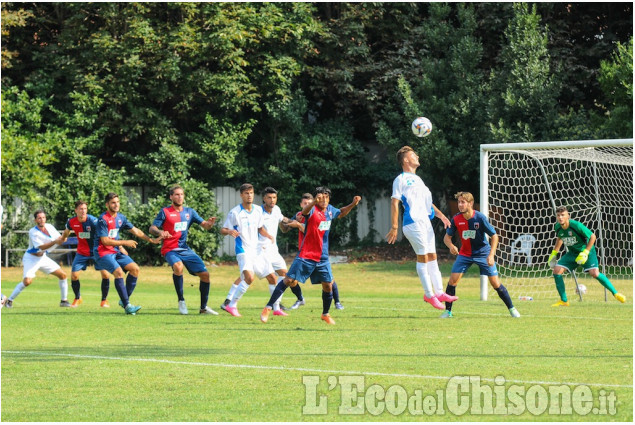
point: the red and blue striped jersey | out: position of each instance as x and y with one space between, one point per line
177 223
110 226
315 245
86 233
472 233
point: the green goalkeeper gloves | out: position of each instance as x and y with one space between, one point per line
582 257
552 258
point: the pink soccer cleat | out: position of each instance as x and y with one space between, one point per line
233 311
264 316
434 301
445 298
279 313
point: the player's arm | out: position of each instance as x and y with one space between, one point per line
209 223
391 236
107 241
441 216
552 261
493 241
139 233
291 224
266 234
345 210
307 210
584 255
231 232
163 234
447 240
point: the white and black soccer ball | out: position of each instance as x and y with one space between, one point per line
580 289
421 127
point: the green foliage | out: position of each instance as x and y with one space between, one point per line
616 79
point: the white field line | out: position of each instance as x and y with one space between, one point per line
301 369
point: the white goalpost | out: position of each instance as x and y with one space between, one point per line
522 184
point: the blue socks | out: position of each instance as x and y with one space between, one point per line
504 295
178 286
131 283
450 290
277 293
204 288
336 293
327 298
297 291
105 288
121 290
75 286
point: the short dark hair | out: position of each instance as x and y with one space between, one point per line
175 187
267 190
323 189
80 202
307 196
401 153
561 209
38 212
245 187
110 196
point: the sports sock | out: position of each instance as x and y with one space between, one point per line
18 288
75 286
277 293
297 291
560 286
238 294
203 287
336 293
105 288
121 290
232 291
435 276
63 289
131 283
504 295
327 298
178 286
424 277
276 305
450 290
606 283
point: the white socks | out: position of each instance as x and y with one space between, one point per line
424 277
238 293
64 289
232 291
19 288
435 276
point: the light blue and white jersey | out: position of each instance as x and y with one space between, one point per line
247 224
271 221
415 197
37 237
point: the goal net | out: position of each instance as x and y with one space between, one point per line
521 187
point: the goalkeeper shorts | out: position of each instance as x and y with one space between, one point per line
568 261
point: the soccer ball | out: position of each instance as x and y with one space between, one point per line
580 289
421 127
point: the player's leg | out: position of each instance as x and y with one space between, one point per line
273 280
30 266
133 270
80 262
63 283
299 271
105 287
109 263
455 277
327 299
336 297
499 288
418 240
195 266
232 291
175 261
592 267
566 263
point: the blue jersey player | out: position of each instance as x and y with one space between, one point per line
472 226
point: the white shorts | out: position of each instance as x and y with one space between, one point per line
33 263
256 263
421 237
274 257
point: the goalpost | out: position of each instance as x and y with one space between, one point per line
522 184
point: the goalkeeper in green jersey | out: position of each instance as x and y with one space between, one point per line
580 243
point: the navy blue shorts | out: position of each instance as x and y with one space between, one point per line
462 263
302 269
80 262
112 262
189 258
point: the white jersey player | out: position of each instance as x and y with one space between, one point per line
245 222
43 238
409 189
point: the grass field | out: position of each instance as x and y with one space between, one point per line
92 364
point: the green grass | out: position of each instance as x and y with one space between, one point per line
92 364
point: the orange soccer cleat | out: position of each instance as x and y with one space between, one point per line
104 304
328 319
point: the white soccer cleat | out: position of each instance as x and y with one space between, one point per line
514 312
208 310
182 307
